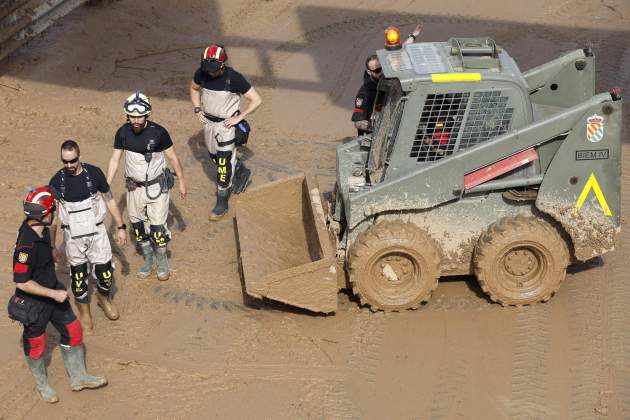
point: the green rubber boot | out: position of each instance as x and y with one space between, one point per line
74 360
163 271
38 369
146 270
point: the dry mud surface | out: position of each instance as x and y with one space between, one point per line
190 348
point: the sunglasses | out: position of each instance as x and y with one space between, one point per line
75 160
377 70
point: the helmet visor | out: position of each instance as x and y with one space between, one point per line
211 65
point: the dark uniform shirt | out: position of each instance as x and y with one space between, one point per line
75 187
364 101
126 139
237 82
33 260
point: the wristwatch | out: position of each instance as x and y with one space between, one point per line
122 227
197 110
412 36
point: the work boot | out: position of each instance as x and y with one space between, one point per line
38 369
146 270
106 305
74 361
221 206
163 272
242 177
85 316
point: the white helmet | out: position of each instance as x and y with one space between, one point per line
137 105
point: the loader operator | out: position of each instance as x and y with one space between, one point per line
82 211
364 101
215 92
40 298
148 181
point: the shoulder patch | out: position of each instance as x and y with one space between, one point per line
358 102
22 257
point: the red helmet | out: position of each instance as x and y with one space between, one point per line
39 203
213 58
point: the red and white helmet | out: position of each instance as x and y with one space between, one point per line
213 58
39 203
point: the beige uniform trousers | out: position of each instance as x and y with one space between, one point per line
141 208
95 249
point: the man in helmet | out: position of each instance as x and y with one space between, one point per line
364 101
215 92
148 180
83 194
40 298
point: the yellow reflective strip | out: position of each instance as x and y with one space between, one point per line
592 184
455 77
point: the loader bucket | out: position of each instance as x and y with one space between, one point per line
283 247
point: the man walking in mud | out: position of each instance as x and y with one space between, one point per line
215 92
148 181
83 195
40 298
364 101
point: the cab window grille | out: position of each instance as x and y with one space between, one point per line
439 126
489 116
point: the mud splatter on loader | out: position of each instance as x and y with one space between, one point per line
473 167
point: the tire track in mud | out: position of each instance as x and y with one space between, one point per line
587 330
368 333
449 395
201 303
530 362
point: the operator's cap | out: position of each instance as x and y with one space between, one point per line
213 58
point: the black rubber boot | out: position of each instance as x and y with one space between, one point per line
221 207
38 369
242 177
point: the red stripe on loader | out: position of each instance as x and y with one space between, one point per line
499 168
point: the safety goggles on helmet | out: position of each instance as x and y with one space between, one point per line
39 203
137 105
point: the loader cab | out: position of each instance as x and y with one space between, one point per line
438 99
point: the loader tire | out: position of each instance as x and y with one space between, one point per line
521 260
394 266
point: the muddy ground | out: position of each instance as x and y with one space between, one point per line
190 348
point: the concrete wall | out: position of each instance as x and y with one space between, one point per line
21 20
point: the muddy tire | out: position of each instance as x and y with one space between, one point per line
394 266
521 260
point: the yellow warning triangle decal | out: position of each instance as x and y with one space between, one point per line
592 184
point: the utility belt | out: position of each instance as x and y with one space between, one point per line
241 130
213 118
166 180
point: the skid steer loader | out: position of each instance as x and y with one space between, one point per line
473 167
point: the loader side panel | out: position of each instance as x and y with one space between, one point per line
563 82
582 186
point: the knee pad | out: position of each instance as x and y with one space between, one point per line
159 235
139 231
74 335
224 168
79 282
35 347
104 273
